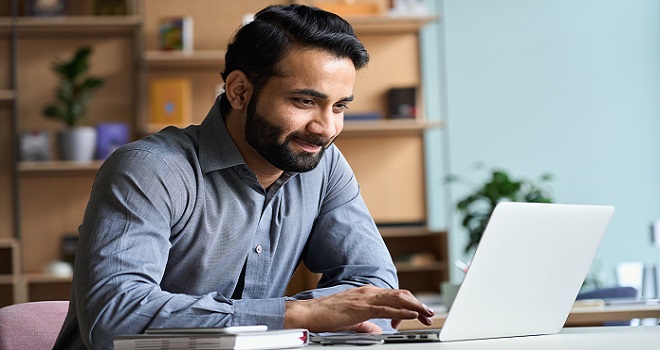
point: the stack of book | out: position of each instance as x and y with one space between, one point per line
213 338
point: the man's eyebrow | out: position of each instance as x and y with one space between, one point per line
318 94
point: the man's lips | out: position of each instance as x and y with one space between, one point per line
307 147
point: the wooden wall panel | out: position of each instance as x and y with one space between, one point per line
53 205
390 171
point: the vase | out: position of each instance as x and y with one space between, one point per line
77 144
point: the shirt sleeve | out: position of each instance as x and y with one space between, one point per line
123 253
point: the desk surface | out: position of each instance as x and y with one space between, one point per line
579 316
582 338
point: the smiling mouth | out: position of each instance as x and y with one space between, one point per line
308 147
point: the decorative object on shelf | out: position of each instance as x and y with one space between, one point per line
402 103
46 7
170 101
69 247
111 8
176 34
363 116
109 137
350 7
477 207
73 93
34 146
408 8
59 268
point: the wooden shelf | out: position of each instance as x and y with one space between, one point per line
386 24
199 58
77 25
7 95
58 166
5 25
8 243
406 231
389 127
435 266
7 280
37 277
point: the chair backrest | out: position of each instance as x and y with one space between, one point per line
33 325
609 293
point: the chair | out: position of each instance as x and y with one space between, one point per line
611 293
32 325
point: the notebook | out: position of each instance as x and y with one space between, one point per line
525 274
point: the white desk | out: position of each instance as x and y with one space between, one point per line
578 338
583 316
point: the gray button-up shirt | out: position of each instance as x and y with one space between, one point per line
173 219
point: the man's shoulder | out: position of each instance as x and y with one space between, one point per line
169 141
170 147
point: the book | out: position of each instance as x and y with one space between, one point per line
176 34
363 116
207 338
170 101
46 8
109 137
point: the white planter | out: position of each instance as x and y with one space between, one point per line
77 144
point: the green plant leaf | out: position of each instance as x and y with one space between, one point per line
477 207
74 89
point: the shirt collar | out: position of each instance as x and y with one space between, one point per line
217 150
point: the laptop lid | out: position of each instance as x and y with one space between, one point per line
527 270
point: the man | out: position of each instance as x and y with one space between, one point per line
203 227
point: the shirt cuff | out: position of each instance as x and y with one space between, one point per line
269 312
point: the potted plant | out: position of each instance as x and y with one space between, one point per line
477 207
73 94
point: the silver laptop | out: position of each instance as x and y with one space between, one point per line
525 274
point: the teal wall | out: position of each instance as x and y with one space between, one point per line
570 87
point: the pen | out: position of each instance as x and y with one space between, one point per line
461 265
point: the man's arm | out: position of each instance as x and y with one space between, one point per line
347 249
353 308
124 250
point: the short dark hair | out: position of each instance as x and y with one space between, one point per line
257 47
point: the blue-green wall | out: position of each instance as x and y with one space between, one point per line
570 87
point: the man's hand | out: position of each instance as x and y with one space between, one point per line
351 310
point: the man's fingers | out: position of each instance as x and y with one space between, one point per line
403 299
366 327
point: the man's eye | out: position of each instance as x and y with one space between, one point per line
306 102
340 107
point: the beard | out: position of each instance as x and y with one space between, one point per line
264 137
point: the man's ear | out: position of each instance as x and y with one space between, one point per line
238 89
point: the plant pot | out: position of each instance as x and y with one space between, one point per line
77 143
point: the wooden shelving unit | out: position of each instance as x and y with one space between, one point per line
379 24
11 288
7 95
52 195
77 25
204 58
58 166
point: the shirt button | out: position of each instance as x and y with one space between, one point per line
258 249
